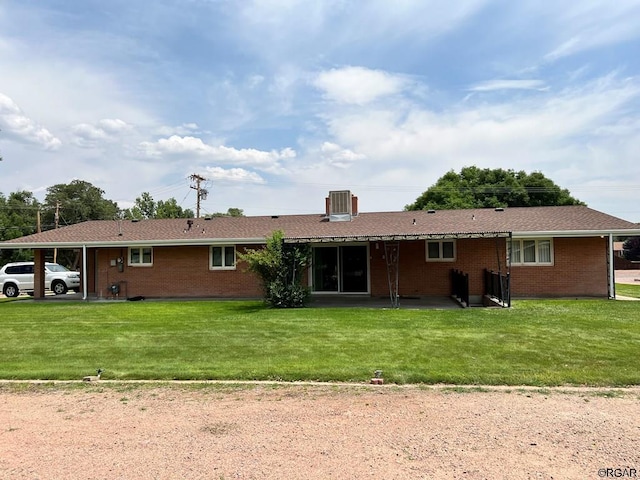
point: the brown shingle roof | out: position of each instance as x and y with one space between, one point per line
568 221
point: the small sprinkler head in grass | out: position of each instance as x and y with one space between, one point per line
377 378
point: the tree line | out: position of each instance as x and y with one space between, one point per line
67 204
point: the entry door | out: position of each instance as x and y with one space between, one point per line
341 269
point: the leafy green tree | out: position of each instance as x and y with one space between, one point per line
631 249
77 202
171 209
18 217
235 212
487 188
231 212
280 267
146 207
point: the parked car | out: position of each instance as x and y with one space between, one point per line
18 277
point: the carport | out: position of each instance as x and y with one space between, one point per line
39 260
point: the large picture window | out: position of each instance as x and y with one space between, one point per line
140 256
532 251
223 257
441 250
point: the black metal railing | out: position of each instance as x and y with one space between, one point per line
497 285
460 286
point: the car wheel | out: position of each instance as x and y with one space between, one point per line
11 290
59 288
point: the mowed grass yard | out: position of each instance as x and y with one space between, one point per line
551 342
628 290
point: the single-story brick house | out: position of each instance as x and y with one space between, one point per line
546 252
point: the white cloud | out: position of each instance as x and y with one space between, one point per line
113 125
304 31
251 156
339 157
586 25
17 124
90 135
236 175
358 85
88 132
491 85
484 133
176 145
184 129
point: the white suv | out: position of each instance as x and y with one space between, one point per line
17 277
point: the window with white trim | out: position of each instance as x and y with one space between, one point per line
223 257
532 251
441 250
140 256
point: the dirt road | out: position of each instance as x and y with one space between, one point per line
318 432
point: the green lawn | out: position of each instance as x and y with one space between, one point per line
592 342
628 290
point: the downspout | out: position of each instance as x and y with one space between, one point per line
510 246
85 282
612 270
499 268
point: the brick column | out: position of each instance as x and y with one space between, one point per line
38 273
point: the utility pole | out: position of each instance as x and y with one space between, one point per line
57 215
201 193
39 228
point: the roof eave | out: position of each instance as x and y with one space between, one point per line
392 237
135 243
576 233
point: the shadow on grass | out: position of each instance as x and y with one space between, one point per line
249 307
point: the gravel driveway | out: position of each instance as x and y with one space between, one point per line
317 432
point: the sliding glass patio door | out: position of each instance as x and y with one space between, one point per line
341 269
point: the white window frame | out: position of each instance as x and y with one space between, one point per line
140 256
536 262
224 258
440 250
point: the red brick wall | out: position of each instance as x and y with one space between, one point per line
580 269
421 278
176 272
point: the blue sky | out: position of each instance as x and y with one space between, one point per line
277 102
